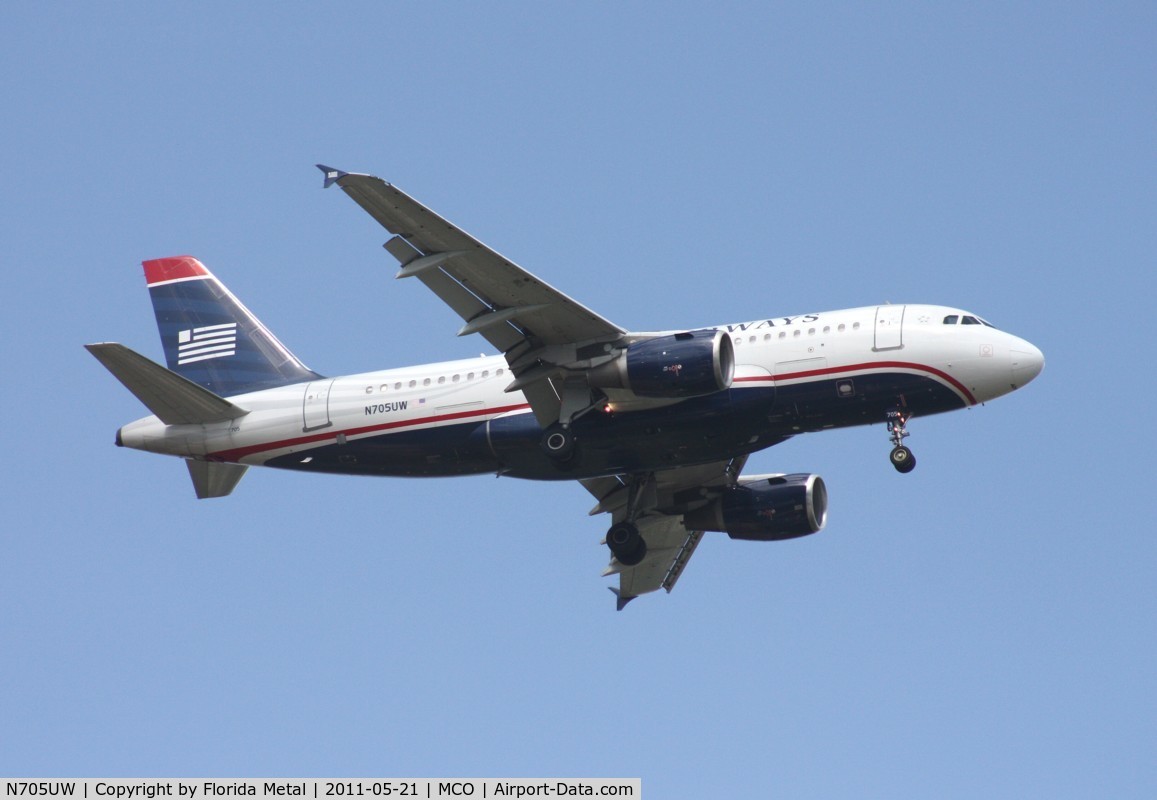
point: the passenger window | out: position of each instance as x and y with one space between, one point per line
426 382
398 385
385 387
841 328
455 378
469 376
811 331
855 326
413 384
795 332
485 373
441 379
951 319
827 329
498 371
370 389
783 334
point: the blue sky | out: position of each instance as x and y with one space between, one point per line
981 627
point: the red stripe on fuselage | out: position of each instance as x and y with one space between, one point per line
160 270
239 453
817 373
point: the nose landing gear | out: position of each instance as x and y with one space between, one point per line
901 457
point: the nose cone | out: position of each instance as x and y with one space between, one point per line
1027 362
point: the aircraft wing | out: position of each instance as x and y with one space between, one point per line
669 547
537 327
662 499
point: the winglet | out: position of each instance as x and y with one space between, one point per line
620 601
332 175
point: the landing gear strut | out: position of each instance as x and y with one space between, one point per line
558 440
901 457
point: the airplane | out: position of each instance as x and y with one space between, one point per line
657 425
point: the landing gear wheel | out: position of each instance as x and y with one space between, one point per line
626 544
902 459
558 443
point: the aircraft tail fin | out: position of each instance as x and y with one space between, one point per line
210 337
175 400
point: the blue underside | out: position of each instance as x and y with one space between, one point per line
695 431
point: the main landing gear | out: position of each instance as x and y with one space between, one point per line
626 544
623 538
558 443
901 457
558 440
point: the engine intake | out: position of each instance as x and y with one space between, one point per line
766 509
677 365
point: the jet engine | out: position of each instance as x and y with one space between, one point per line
677 365
767 508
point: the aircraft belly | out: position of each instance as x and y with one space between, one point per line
694 431
858 399
445 450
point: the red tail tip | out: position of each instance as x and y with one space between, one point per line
170 269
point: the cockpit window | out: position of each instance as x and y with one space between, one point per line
968 319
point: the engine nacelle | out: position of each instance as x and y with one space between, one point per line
767 509
678 365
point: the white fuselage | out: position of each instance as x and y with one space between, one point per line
973 362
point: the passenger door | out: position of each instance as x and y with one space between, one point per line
889 328
315 405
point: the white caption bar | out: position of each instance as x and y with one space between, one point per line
318 788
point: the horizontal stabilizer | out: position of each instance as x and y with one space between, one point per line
174 399
214 479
